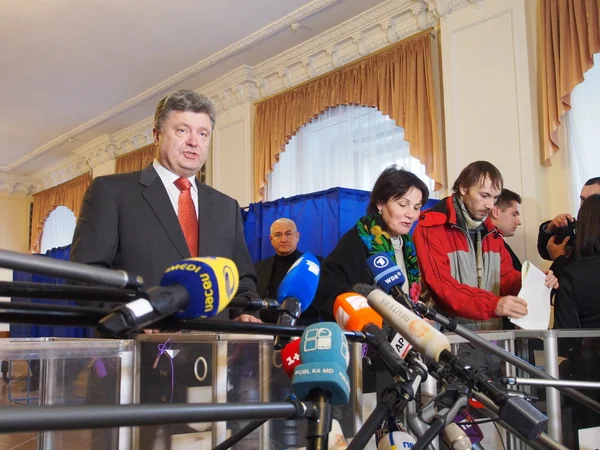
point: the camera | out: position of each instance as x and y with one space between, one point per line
569 231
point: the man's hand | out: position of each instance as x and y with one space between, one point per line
151 331
555 250
562 220
511 306
551 280
247 318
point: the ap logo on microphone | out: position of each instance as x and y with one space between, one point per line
381 262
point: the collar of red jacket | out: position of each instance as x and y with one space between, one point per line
445 212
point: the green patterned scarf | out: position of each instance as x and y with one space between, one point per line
371 232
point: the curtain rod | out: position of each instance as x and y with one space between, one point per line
431 31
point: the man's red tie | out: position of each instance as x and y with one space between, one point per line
187 214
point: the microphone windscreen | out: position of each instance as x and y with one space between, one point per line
290 356
396 440
364 289
325 358
385 271
301 281
211 283
422 336
352 312
455 438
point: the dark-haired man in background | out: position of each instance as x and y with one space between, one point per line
506 216
560 253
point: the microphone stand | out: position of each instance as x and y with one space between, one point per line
68 270
483 344
67 292
393 400
44 314
515 381
541 442
453 399
52 418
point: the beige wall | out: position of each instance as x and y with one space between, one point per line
107 168
13 231
232 153
490 98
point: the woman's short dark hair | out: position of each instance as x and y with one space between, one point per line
588 227
393 183
475 173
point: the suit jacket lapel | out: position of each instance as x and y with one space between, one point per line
264 278
158 199
205 219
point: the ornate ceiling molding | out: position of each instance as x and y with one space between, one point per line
385 24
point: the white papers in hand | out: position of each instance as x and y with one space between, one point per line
537 295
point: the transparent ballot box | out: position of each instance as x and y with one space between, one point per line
226 368
54 371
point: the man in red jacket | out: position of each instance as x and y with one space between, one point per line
462 256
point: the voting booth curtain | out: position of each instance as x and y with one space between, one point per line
24 330
322 219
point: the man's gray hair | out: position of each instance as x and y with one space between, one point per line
184 100
283 221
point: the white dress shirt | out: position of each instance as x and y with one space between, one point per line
168 178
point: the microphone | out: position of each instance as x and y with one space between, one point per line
423 337
296 292
253 304
401 345
353 313
190 289
290 357
516 411
467 424
388 276
322 377
455 438
396 440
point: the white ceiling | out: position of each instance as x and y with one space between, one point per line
81 69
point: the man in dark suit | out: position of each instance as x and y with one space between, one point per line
284 238
142 222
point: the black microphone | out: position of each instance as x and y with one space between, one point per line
253 304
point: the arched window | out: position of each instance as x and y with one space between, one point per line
583 132
346 146
58 229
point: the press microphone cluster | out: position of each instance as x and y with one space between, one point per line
435 346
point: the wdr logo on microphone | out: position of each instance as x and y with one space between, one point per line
381 261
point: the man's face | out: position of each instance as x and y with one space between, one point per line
183 142
480 198
284 238
507 221
586 191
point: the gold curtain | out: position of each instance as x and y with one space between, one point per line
397 81
69 194
569 37
135 160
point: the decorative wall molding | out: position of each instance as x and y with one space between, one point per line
376 28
